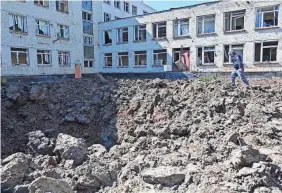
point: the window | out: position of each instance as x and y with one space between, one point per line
237 48
62 5
107 2
87 28
134 10
181 27
87 5
88 63
64 58
42 27
140 33
234 20
88 52
206 55
179 54
206 24
43 57
117 18
140 58
108 60
88 40
122 35
17 23
63 31
145 12
123 59
107 17
19 56
108 37
126 6
266 51
159 30
267 17
43 3
117 4
160 57
87 16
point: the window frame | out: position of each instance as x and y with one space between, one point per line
88 63
138 32
37 3
203 24
85 37
59 31
178 24
64 54
231 13
157 29
25 28
107 15
111 38
117 4
231 48
46 25
59 6
274 11
138 56
106 60
17 56
203 55
157 53
133 9
122 30
87 14
108 2
92 29
41 54
91 9
126 4
120 55
261 51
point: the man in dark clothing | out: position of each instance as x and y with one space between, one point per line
238 68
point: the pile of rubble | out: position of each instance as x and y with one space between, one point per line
118 135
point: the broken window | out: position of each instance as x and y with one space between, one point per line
43 57
234 20
87 28
140 58
107 17
117 4
108 60
87 5
206 24
17 23
87 16
88 52
88 40
181 27
178 52
19 56
42 27
266 51
62 5
64 58
206 55
43 3
63 31
108 37
267 17
237 48
134 10
140 33
123 59
88 63
122 35
126 6
160 57
159 30
107 2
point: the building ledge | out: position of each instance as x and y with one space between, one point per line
122 66
139 41
267 64
64 39
107 44
20 33
157 66
206 34
66 66
181 37
119 43
64 12
44 65
107 67
235 31
44 36
140 66
160 39
20 65
44 6
267 28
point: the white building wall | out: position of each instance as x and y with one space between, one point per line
33 42
218 39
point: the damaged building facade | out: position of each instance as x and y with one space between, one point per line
49 37
195 38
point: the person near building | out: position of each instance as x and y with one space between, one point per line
238 68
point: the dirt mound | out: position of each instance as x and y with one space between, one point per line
119 135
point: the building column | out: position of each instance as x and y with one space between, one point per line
169 58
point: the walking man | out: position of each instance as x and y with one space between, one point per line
238 68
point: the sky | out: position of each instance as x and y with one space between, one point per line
160 5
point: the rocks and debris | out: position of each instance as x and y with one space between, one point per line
111 135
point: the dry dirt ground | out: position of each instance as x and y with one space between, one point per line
119 135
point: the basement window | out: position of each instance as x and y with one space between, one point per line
160 57
206 24
87 28
43 57
17 23
87 5
107 17
42 3
134 10
234 20
126 6
122 35
117 4
266 51
159 30
267 17
63 31
88 40
108 60
88 63
108 37
64 58
19 56
140 58
86 16
123 59
62 5
181 27
206 55
239 49
140 33
42 28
